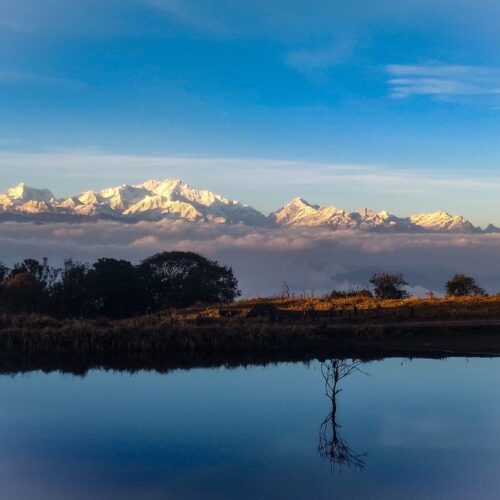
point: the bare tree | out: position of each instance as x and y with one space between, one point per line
331 444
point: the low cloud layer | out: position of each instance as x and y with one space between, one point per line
308 260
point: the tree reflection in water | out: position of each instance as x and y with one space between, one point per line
331 445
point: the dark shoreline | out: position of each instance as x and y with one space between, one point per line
50 350
256 331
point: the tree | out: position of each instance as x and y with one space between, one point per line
389 286
4 272
181 279
461 285
114 289
331 444
22 293
69 294
41 272
27 286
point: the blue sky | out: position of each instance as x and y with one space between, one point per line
388 104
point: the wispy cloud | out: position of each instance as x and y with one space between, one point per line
11 77
442 80
102 166
320 58
266 183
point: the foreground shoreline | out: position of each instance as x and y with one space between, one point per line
255 332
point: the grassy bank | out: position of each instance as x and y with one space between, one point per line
271 329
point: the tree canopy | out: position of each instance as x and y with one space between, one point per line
115 288
461 285
389 286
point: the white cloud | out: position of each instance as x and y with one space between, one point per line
442 80
318 260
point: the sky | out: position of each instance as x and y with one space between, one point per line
389 104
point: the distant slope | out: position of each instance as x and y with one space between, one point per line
174 199
301 213
152 200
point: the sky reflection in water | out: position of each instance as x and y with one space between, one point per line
421 428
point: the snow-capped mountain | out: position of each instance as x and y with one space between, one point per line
152 200
174 199
442 221
301 213
23 198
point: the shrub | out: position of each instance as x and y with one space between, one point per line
461 285
389 286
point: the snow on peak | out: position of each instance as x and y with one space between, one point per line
23 192
300 202
173 198
301 213
442 220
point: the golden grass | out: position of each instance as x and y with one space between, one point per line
292 323
351 308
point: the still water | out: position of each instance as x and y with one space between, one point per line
395 429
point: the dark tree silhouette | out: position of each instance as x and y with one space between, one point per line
22 293
70 293
26 287
461 285
389 286
184 278
114 289
331 444
4 271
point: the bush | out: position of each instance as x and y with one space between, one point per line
389 286
461 286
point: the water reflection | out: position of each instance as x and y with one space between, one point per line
331 445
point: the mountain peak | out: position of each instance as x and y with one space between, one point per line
23 192
442 221
299 201
156 199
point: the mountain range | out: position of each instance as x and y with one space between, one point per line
155 200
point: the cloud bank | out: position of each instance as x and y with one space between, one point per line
308 260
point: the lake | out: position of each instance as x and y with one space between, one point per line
396 428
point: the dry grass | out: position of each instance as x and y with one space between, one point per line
289 324
360 308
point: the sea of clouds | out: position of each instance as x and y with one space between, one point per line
263 259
